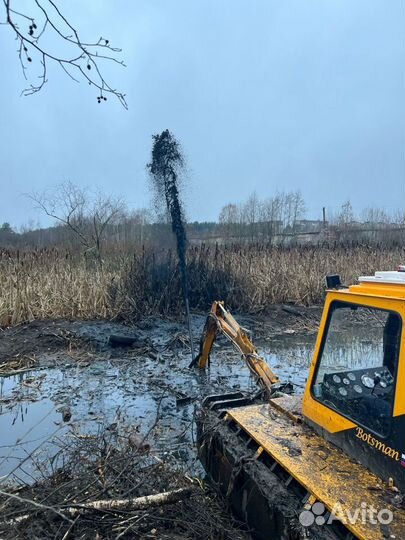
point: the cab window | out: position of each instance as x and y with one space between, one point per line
358 363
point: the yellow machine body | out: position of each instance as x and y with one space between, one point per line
380 296
327 474
334 457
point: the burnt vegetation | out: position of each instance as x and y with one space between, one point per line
165 170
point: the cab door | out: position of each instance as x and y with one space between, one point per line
354 396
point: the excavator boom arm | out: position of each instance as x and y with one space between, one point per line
220 320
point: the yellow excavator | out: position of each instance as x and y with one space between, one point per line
328 464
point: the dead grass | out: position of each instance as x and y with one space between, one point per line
254 277
56 284
50 284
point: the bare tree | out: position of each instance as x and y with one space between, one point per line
270 216
256 219
43 23
346 215
137 224
375 217
228 214
298 208
86 215
251 210
228 219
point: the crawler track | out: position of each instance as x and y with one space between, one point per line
259 491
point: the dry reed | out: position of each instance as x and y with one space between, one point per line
50 284
58 284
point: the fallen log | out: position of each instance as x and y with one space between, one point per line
185 400
126 341
138 503
292 310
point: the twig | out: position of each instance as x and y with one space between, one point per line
37 505
85 61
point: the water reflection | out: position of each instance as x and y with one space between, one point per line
32 405
353 349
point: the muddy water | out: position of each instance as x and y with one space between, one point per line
41 411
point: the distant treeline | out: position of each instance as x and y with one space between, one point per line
100 225
129 234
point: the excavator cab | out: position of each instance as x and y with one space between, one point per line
354 395
340 444
361 385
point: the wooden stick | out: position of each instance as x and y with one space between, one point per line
138 503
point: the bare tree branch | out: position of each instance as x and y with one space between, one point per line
84 60
85 215
37 505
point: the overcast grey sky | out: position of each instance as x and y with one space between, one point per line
263 95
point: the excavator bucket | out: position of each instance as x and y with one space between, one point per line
221 320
